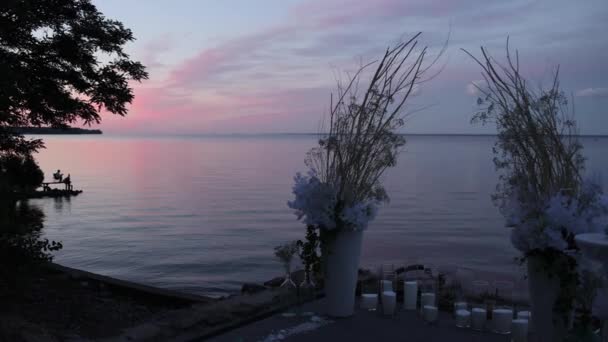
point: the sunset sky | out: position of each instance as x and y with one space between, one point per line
243 66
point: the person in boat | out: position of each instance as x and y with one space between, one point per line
58 176
68 182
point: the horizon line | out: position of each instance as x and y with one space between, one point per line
310 133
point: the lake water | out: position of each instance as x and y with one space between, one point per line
202 214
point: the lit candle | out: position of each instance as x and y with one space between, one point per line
502 319
460 306
389 301
427 298
369 301
478 318
519 331
410 295
430 313
387 285
463 318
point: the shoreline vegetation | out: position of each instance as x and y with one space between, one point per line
53 131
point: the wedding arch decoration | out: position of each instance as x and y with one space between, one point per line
542 191
341 192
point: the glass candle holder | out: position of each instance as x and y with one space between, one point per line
370 297
502 314
288 283
479 293
503 293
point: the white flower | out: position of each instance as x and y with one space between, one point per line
314 201
542 226
359 215
315 204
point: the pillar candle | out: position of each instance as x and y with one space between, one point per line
387 285
427 298
369 301
430 313
460 306
502 319
389 301
526 315
463 318
478 318
410 295
519 331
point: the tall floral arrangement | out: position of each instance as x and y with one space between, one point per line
342 188
541 191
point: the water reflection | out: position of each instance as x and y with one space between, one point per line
202 214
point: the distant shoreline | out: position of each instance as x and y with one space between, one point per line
254 135
55 131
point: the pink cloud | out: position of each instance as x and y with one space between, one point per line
225 57
280 77
593 92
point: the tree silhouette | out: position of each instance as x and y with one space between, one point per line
62 63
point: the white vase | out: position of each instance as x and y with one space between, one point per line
595 247
341 272
548 326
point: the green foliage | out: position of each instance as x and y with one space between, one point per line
556 263
589 283
21 246
62 62
286 252
309 251
19 173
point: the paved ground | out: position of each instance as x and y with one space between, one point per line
363 326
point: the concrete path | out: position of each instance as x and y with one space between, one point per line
363 326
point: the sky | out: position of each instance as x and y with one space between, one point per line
269 66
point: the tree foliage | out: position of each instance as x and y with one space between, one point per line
19 173
62 63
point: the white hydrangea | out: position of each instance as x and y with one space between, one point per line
543 227
315 204
314 201
359 215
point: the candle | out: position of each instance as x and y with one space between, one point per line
478 318
502 319
369 301
519 331
427 298
387 285
389 301
463 318
460 306
410 295
430 313
526 315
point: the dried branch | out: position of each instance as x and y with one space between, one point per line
537 150
362 139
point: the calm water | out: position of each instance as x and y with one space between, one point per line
202 214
